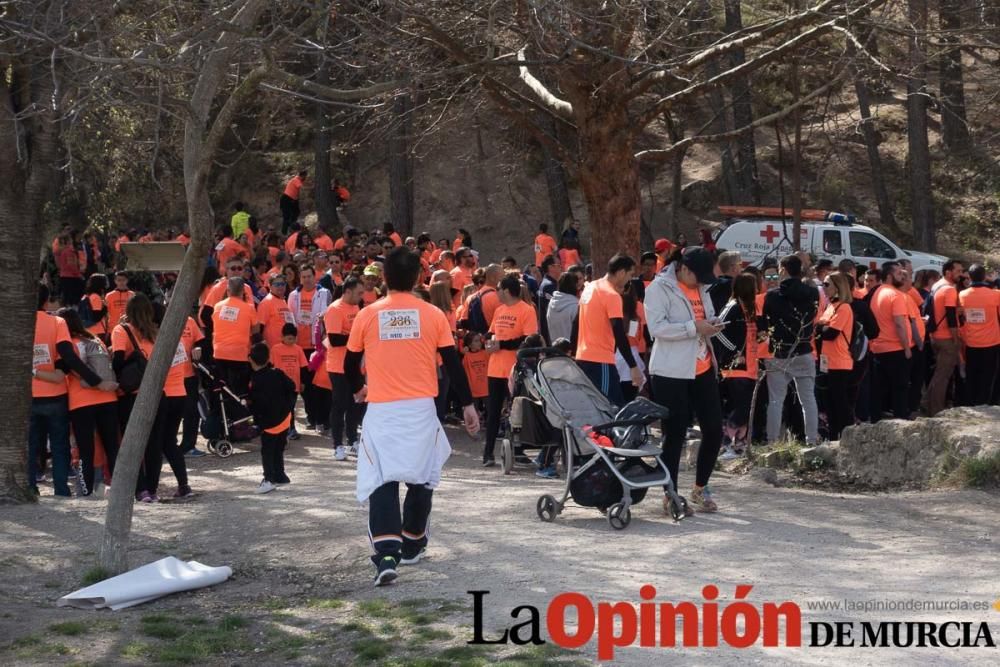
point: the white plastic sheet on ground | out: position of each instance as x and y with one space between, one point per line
165 576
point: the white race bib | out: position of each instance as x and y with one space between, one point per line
229 314
824 364
306 317
702 348
538 248
399 324
633 328
180 356
975 315
289 318
220 247
41 356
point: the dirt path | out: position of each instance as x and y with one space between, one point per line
302 587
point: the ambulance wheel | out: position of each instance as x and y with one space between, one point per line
506 455
547 508
619 516
224 449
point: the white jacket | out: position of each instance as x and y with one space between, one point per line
670 320
321 300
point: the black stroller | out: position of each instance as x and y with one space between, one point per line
221 425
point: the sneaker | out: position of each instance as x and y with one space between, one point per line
153 498
194 453
693 433
40 478
547 473
352 450
489 463
415 558
386 571
666 507
281 481
144 497
702 499
293 435
537 461
339 454
728 454
310 426
265 487
183 492
522 459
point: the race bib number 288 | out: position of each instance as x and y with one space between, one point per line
399 324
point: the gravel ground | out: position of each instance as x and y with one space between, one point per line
308 539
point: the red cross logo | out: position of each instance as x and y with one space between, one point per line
770 233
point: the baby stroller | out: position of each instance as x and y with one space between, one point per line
524 424
218 426
610 456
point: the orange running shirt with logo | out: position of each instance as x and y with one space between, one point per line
704 361
400 336
338 319
116 301
476 365
232 323
945 296
273 314
220 290
837 351
509 323
600 303
49 332
545 245
981 306
290 360
304 317
913 311
190 336
887 304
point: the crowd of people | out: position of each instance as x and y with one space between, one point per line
416 332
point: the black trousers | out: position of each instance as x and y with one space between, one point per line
316 404
236 375
890 385
738 395
980 373
289 212
498 393
839 409
272 455
101 419
918 364
344 411
191 416
163 444
684 398
861 395
71 290
396 535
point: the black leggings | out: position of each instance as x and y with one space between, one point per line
839 409
343 411
191 416
683 398
163 444
498 393
980 373
101 419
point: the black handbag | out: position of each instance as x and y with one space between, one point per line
130 375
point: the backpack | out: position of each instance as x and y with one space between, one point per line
88 315
130 376
927 310
476 316
96 357
863 315
858 343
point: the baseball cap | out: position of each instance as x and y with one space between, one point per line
662 245
373 270
700 262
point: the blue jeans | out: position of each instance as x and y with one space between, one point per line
49 422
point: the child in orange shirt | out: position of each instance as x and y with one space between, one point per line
288 357
475 362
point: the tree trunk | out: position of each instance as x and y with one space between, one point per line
609 180
954 127
742 114
326 206
919 159
560 208
796 163
401 167
885 209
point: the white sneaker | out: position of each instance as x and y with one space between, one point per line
728 454
352 450
265 487
340 454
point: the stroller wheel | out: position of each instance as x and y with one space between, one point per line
507 455
619 516
547 508
211 447
223 449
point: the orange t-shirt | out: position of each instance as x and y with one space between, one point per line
859 293
490 301
305 319
838 351
704 361
323 242
396 239
568 258
226 249
946 296
273 314
290 242
460 277
190 336
116 300
49 332
545 245
220 290
96 304
120 342
232 322
289 359
476 365
887 304
183 239
80 396
400 336
599 304
509 323
750 348
338 319
321 379
638 340
982 323
913 312
368 297
294 187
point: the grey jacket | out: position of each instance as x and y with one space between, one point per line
670 319
563 309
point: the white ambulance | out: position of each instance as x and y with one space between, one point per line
759 233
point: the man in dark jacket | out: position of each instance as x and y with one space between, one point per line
272 397
551 270
730 265
789 317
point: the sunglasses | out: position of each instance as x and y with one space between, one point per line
236 268
771 276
